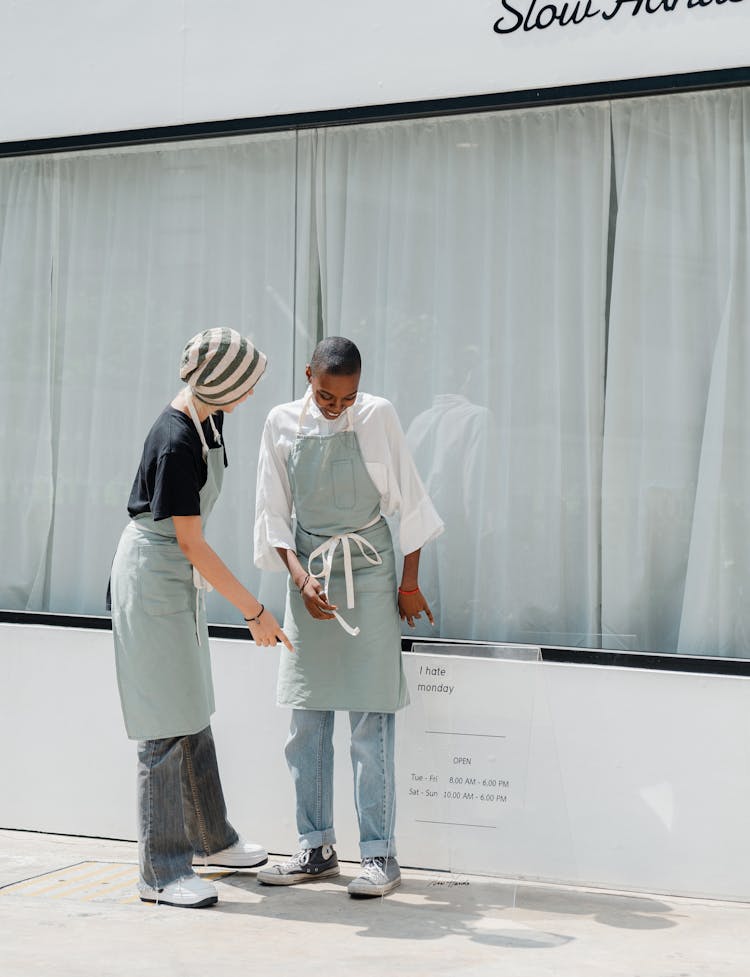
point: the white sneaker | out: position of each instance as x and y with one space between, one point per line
242 854
189 892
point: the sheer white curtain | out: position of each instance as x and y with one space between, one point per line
150 246
467 258
676 476
28 231
716 609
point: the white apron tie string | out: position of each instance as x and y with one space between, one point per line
202 586
326 552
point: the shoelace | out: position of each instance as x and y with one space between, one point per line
296 861
373 869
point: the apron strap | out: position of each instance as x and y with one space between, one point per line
199 428
305 404
199 582
197 423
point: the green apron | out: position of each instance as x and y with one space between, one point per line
159 621
354 661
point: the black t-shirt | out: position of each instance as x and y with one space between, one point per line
172 470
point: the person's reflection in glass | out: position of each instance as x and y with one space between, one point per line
454 445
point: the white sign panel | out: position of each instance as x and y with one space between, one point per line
77 67
463 757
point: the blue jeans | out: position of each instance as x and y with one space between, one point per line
309 753
181 809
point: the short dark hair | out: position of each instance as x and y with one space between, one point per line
336 355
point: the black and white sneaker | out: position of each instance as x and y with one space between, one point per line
378 877
308 865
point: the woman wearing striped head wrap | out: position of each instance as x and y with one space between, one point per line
161 568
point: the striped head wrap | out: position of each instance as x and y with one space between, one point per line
220 366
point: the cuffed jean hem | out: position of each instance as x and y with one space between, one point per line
378 849
314 839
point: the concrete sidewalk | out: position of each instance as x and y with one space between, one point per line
68 908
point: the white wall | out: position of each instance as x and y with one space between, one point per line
77 67
618 777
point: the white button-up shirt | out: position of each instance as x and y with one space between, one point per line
386 457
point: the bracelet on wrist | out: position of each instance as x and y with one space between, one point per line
304 583
254 620
407 593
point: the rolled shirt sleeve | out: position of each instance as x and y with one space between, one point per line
273 499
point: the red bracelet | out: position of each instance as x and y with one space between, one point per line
407 592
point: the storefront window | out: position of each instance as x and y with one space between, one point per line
555 299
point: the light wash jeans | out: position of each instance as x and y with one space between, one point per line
309 753
181 809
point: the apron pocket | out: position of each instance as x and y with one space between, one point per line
165 579
344 493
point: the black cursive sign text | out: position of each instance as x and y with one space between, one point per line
540 14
